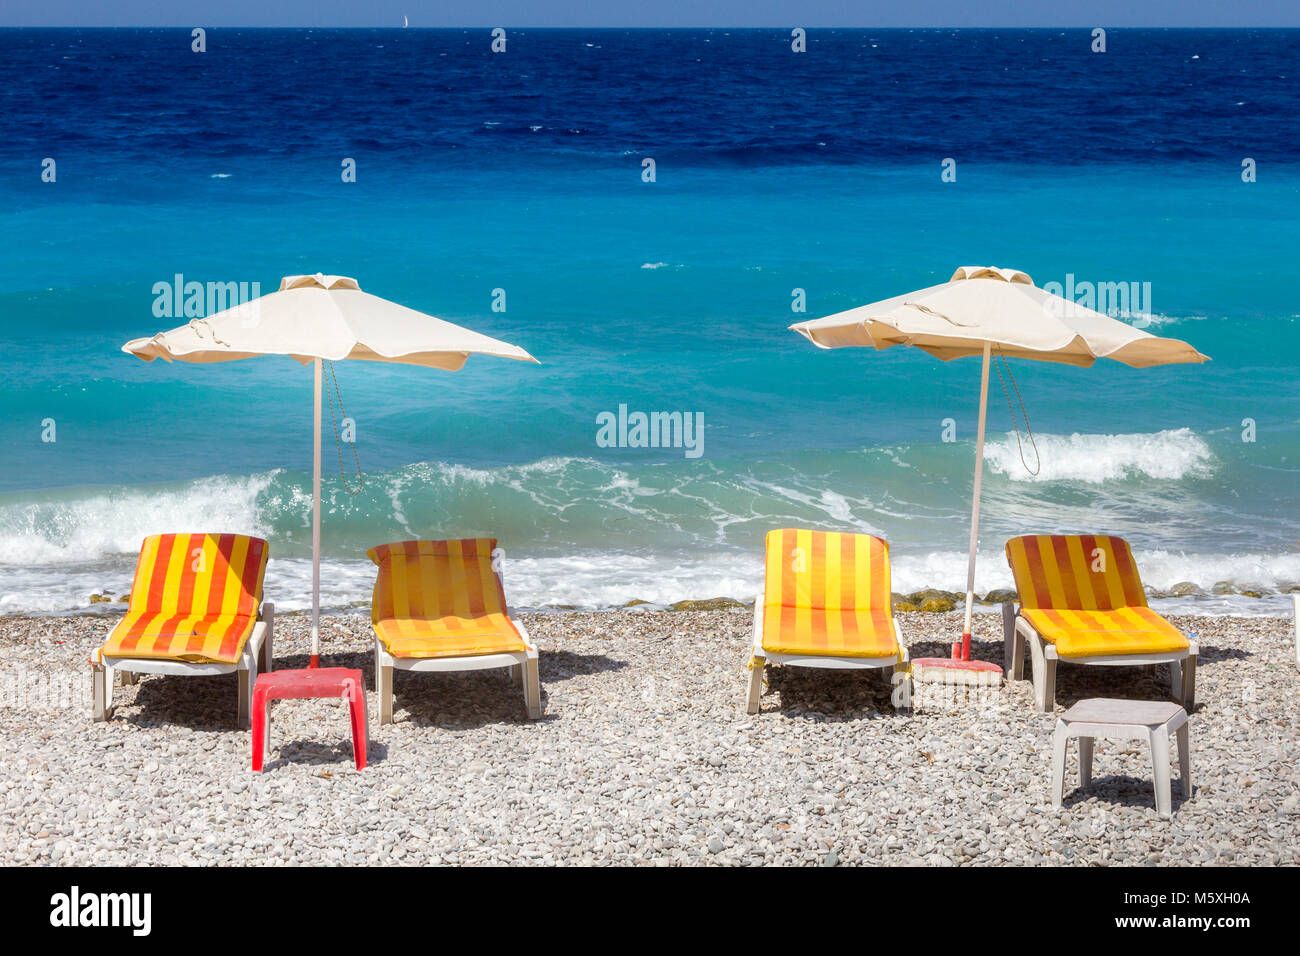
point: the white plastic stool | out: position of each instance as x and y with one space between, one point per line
1149 720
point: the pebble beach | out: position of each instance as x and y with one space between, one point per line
644 756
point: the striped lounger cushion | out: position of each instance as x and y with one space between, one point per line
828 594
1083 594
441 599
195 598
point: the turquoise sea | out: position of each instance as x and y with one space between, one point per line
522 172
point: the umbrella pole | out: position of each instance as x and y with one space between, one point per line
962 651
315 520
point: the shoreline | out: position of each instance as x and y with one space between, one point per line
1179 601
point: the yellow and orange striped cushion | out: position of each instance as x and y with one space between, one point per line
828 594
441 599
195 598
1083 594
1125 630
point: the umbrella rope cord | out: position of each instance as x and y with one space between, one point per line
338 441
1038 461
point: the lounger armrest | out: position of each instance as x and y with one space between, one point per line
523 632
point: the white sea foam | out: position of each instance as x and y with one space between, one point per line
594 534
94 525
1171 455
834 506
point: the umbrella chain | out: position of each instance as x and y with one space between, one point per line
361 481
1000 363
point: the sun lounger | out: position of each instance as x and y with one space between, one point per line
825 603
1081 600
441 606
195 610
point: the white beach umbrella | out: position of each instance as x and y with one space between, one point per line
981 311
316 318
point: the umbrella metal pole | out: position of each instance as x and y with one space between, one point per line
962 651
315 522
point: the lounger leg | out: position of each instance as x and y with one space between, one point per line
1059 739
1185 759
1189 683
1044 675
383 686
1039 669
247 681
1160 765
129 678
384 691
101 693
1013 652
268 642
1085 760
1175 681
900 682
755 686
532 689
515 674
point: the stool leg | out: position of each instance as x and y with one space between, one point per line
357 712
260 728
1059 739
1085 760
365 719
1185 759
1160 765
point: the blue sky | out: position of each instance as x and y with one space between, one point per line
650 13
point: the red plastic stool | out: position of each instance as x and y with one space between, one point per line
309 682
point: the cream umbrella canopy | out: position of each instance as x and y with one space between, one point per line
314 319
982 311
